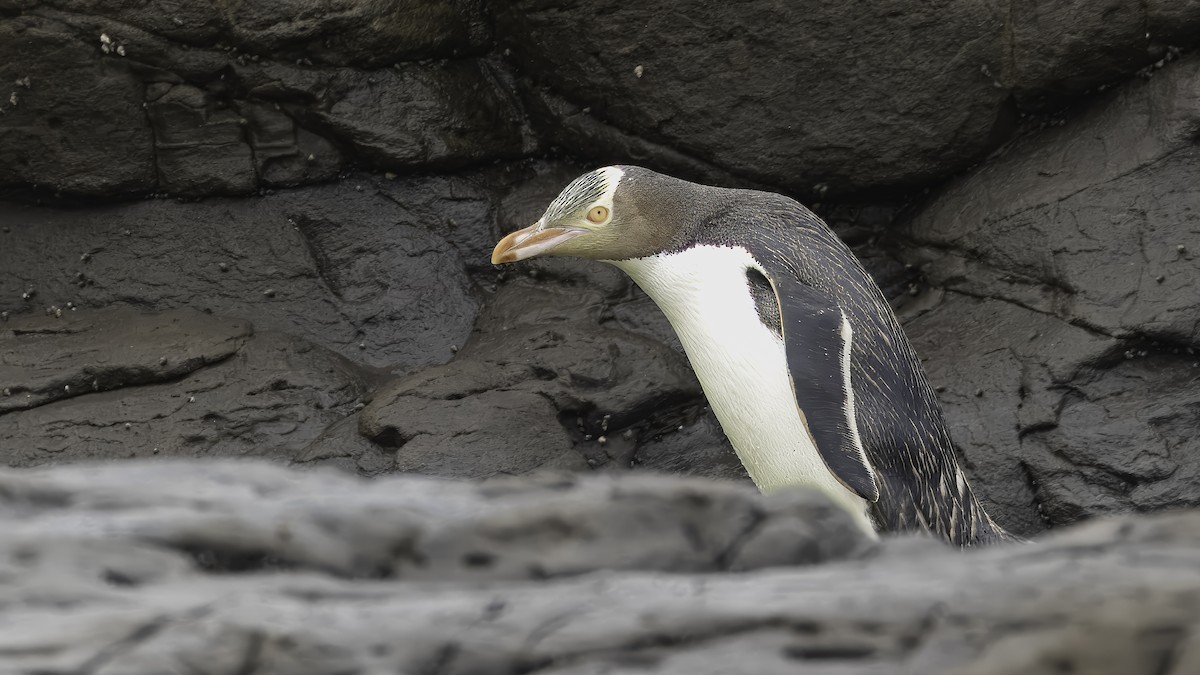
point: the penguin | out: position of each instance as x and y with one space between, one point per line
800 356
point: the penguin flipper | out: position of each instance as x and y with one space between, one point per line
817 340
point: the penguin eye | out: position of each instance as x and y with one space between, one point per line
598 214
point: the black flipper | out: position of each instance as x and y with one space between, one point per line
817 340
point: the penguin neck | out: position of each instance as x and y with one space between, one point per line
741 364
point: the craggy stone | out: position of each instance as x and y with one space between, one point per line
690 443
271 398
1070 361
340 265
418 114
1001 372
199 150
883 99
47 358
1173 22
1124 439
789 95
537 378
1082 220
244 567
341 446
70 117
1062 49
286 154
222 119
367 33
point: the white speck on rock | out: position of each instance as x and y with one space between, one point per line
638 71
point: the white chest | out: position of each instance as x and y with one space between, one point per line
741 364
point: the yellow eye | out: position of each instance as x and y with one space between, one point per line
598 214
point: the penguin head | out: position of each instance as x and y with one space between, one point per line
612 213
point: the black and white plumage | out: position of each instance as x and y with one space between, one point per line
799 353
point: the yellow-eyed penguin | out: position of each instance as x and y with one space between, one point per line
799 353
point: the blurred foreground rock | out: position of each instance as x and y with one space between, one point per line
248 568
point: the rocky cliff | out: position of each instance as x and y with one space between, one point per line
262 229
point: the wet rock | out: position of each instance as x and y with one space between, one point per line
1172 23
339 32
270 398
417 114
286 154
707 99
48 358
1080 220
1141 416
1001 373
464 208
708 91
347 267
1067 261
1062 49
341 446
562 124
539 377
78 125
171 565
253 112
200 150
689 443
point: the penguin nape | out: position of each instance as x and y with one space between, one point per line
798 352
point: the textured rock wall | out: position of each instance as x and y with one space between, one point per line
261 228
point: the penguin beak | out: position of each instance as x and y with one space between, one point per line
532 241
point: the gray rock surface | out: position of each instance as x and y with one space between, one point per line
127 97
69 119
343 167
258 94
117 383
247 568
538 378
342 266
1067 336
68 353
809 96
321 293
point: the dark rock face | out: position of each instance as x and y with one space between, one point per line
245 567
1070 308
124 97
531 388
176 383
262 229
340 170
808 96
58 357
343 266
71 120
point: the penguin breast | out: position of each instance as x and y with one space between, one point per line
708 294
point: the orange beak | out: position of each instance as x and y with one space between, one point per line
531 241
